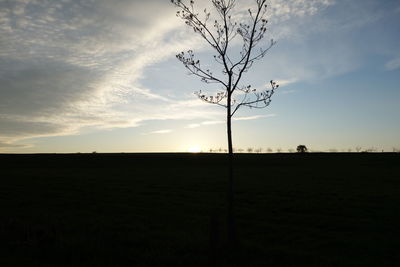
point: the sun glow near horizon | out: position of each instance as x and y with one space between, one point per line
194 149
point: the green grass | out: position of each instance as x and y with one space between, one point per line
154 209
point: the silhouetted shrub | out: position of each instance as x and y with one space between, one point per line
301 149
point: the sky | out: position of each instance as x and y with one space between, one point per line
100 75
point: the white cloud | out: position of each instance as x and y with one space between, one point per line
79 63
8 145
282 82
255 117
193 125
214 122
196 125
165 131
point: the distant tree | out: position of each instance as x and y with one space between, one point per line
358 148
302 149
249 150
279 150
220 33
269 150
258 150
240 150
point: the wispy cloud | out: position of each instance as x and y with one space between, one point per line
212 122
69 64
325 43
165 131
283 82
255 117
4 145
195 125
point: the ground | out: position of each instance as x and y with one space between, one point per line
312 209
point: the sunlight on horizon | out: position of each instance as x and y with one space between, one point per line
194 149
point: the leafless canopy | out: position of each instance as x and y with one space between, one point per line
219 34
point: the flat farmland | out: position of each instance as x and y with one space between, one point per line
313 209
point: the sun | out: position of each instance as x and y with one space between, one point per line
194 149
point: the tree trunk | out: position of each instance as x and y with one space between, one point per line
231 217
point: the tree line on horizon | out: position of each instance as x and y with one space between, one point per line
357 149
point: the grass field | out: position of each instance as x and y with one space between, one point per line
155 209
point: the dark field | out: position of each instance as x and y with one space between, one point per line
155 209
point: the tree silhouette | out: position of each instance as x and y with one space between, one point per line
222 33
301 149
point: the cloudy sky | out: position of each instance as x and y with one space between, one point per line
101 75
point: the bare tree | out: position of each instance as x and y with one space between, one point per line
221 34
